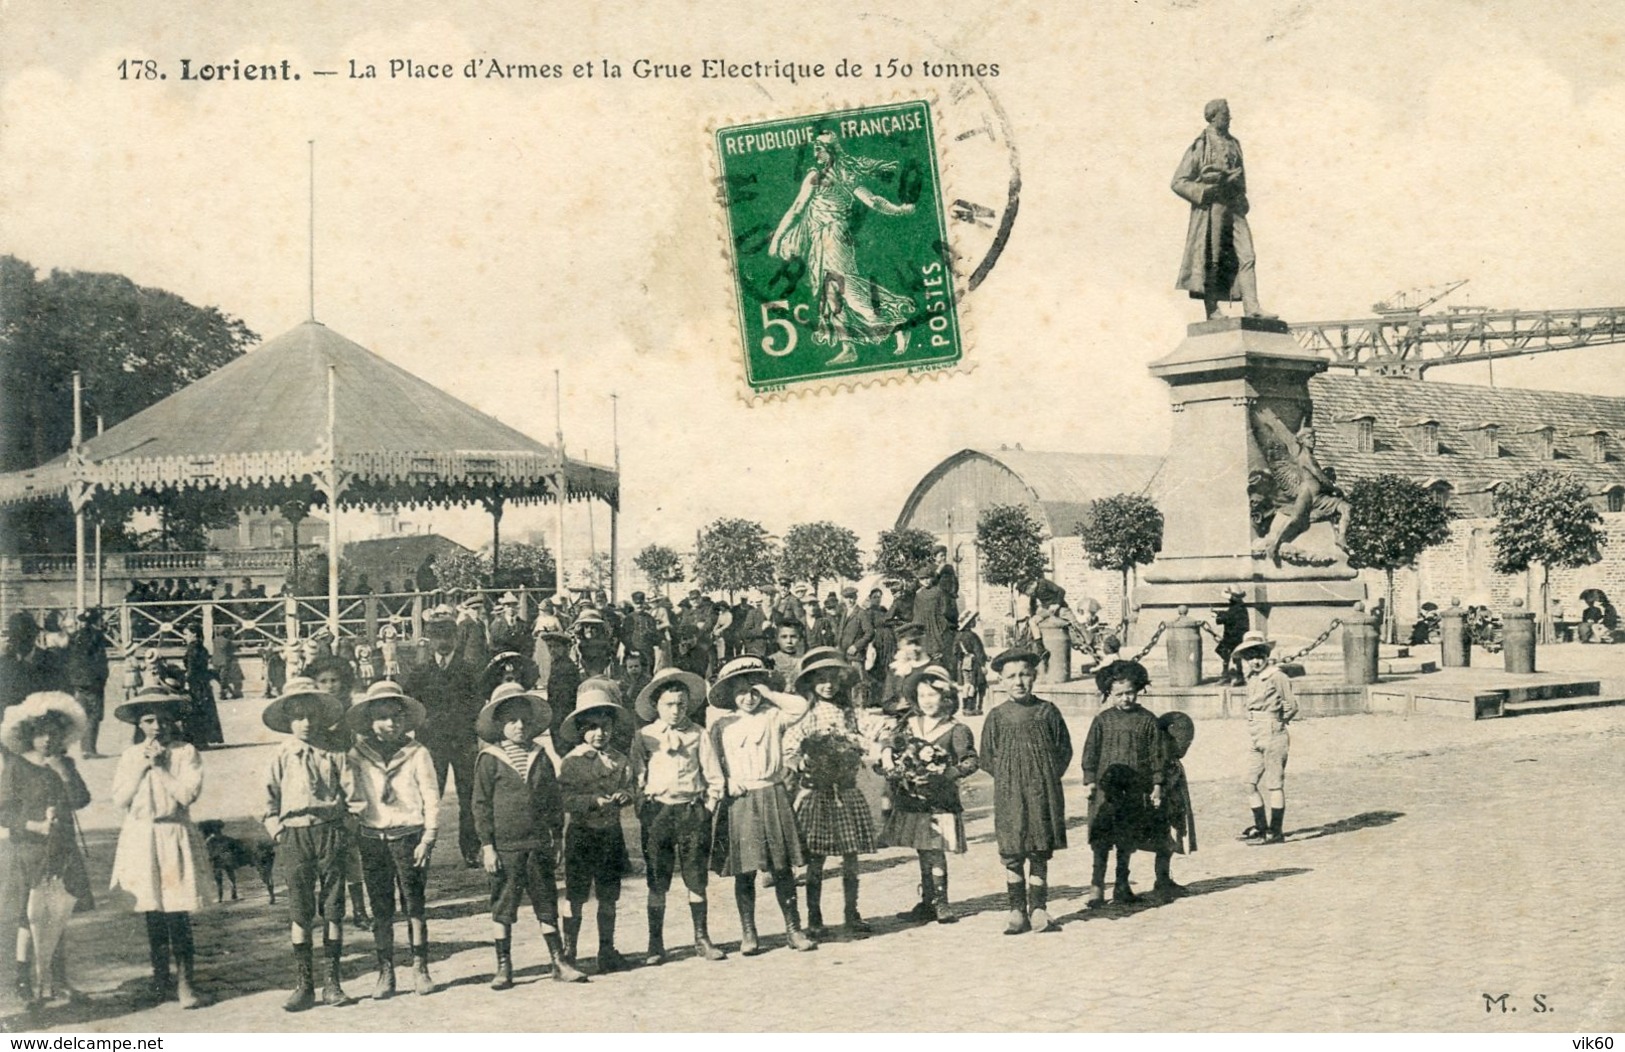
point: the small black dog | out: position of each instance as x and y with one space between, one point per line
226 853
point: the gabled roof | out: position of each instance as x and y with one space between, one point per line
1462 409
261 421
1061 484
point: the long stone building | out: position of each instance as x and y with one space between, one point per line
1458 440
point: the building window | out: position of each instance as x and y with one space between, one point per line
1442 492
1487 440
1614 498
1424 435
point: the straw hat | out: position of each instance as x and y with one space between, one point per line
485 724
1016 653
276 716
506 655
358 718
823 657
1251 642
37 706
596 695
939 678
753 669
645 703
508 599
588 616
154 699
968 619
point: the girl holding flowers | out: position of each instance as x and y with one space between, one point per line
831 812
930 754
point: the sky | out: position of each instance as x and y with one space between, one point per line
484 235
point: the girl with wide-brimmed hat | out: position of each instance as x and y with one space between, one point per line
827 749
158 780
40 789
929 756
399 822
762 832
1271 705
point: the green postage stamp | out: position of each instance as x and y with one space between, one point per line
841 260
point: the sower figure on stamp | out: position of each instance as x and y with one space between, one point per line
817 228
1219 260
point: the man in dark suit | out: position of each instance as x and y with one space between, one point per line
946 580
445 682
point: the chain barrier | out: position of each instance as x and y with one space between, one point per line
1161 627
1337 623
1207 626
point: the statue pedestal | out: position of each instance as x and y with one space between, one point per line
1239 388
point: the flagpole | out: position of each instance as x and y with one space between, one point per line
560 487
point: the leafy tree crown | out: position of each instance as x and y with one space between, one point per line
1011 544
660 564
1392 520
1545 516
820 551
1121 532
902 549
733 554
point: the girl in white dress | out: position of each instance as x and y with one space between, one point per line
159 778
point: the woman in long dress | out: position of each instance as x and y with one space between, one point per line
817 229
159 778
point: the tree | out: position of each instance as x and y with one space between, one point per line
1545 517
523 566
733 554
661 565
819 551
1011 543
132 346
901 550
1119 533
597 570
1392 521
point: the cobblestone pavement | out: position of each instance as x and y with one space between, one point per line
1430 862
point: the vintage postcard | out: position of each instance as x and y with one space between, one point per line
651 518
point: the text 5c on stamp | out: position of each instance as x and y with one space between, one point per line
841 260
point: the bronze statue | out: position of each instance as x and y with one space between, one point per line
1218 263
1297 491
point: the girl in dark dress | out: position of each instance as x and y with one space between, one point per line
931 753
1026 748
40 789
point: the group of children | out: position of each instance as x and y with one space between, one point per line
753 776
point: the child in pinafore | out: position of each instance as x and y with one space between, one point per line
596 781
1124 763
831 813
310 795
158 779
931 753
519 819
762 833
679 785
1026 748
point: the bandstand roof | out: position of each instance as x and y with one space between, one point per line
258 428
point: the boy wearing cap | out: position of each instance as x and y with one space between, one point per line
310 794
596 781
519 818
1026 748
678 783
1271 705
400 819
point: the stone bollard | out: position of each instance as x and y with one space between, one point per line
1360 650
1518 638
1184 638
1455 649
1059 644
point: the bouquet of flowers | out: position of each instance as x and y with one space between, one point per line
917 765
830 760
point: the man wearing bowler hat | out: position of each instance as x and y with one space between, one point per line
446 685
